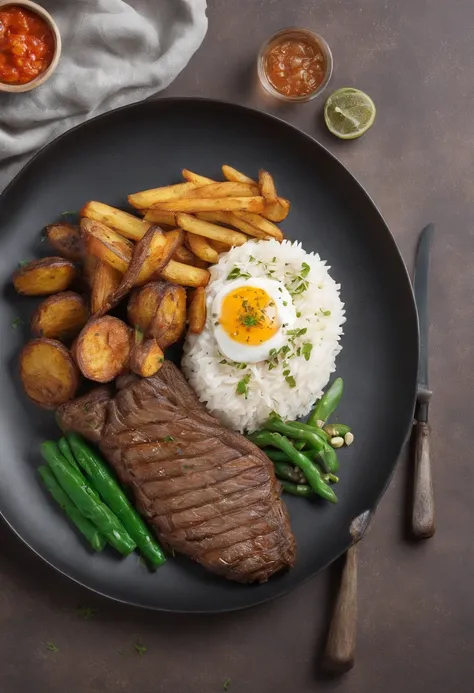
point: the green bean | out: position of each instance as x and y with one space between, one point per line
89 530
285 470
297 489
63 445
311 472
103 481
311 429
326 452
299 444
74 484
337 429
328 403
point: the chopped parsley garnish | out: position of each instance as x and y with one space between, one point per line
290 380
237 272
68 213
86 612
306 349
326 312
242 386
140 649
168 439
249 320
51 646
226 684
16 323
299 332
22 263
304 270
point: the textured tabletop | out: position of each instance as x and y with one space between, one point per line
416 610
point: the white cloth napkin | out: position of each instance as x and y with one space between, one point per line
114 53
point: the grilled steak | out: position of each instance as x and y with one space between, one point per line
209 493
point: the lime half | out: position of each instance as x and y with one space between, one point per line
349 113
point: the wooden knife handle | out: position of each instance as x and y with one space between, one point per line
423 518
340 646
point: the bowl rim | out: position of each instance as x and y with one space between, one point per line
38 9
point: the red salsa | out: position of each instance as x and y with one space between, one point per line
26 45
295 67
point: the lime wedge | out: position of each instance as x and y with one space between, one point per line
349 113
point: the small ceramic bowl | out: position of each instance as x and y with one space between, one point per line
33 7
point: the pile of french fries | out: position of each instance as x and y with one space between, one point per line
114 254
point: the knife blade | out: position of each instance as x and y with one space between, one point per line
423 521
420 284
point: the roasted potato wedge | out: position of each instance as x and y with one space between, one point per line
106 244
231 219
157 216
197 311
105 283
202 248
226 189
146 358
195 178
236 176
209 230
224 204
126 224
262 224
61 316
276 210
143 305
103 349
185 275
48 373
147 198
66 240
183 254
90 264
44 277
169 322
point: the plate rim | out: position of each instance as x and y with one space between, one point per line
151 103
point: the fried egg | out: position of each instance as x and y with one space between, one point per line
250 318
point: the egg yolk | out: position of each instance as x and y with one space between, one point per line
249 316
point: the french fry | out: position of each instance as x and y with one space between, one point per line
267 185
157 216
105 282
126 224
231 219
202 248
106 244
235 176
196 178
185 275
147 198
225 204
226 189
209 230
276 210
201 263
184 255
262 224
220 247
197 311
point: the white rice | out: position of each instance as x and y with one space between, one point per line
321 313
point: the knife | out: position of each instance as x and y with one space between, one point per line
423 520
341 641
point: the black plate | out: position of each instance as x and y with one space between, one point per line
147 145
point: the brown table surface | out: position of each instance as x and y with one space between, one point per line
416 609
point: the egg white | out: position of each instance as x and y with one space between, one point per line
286 316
